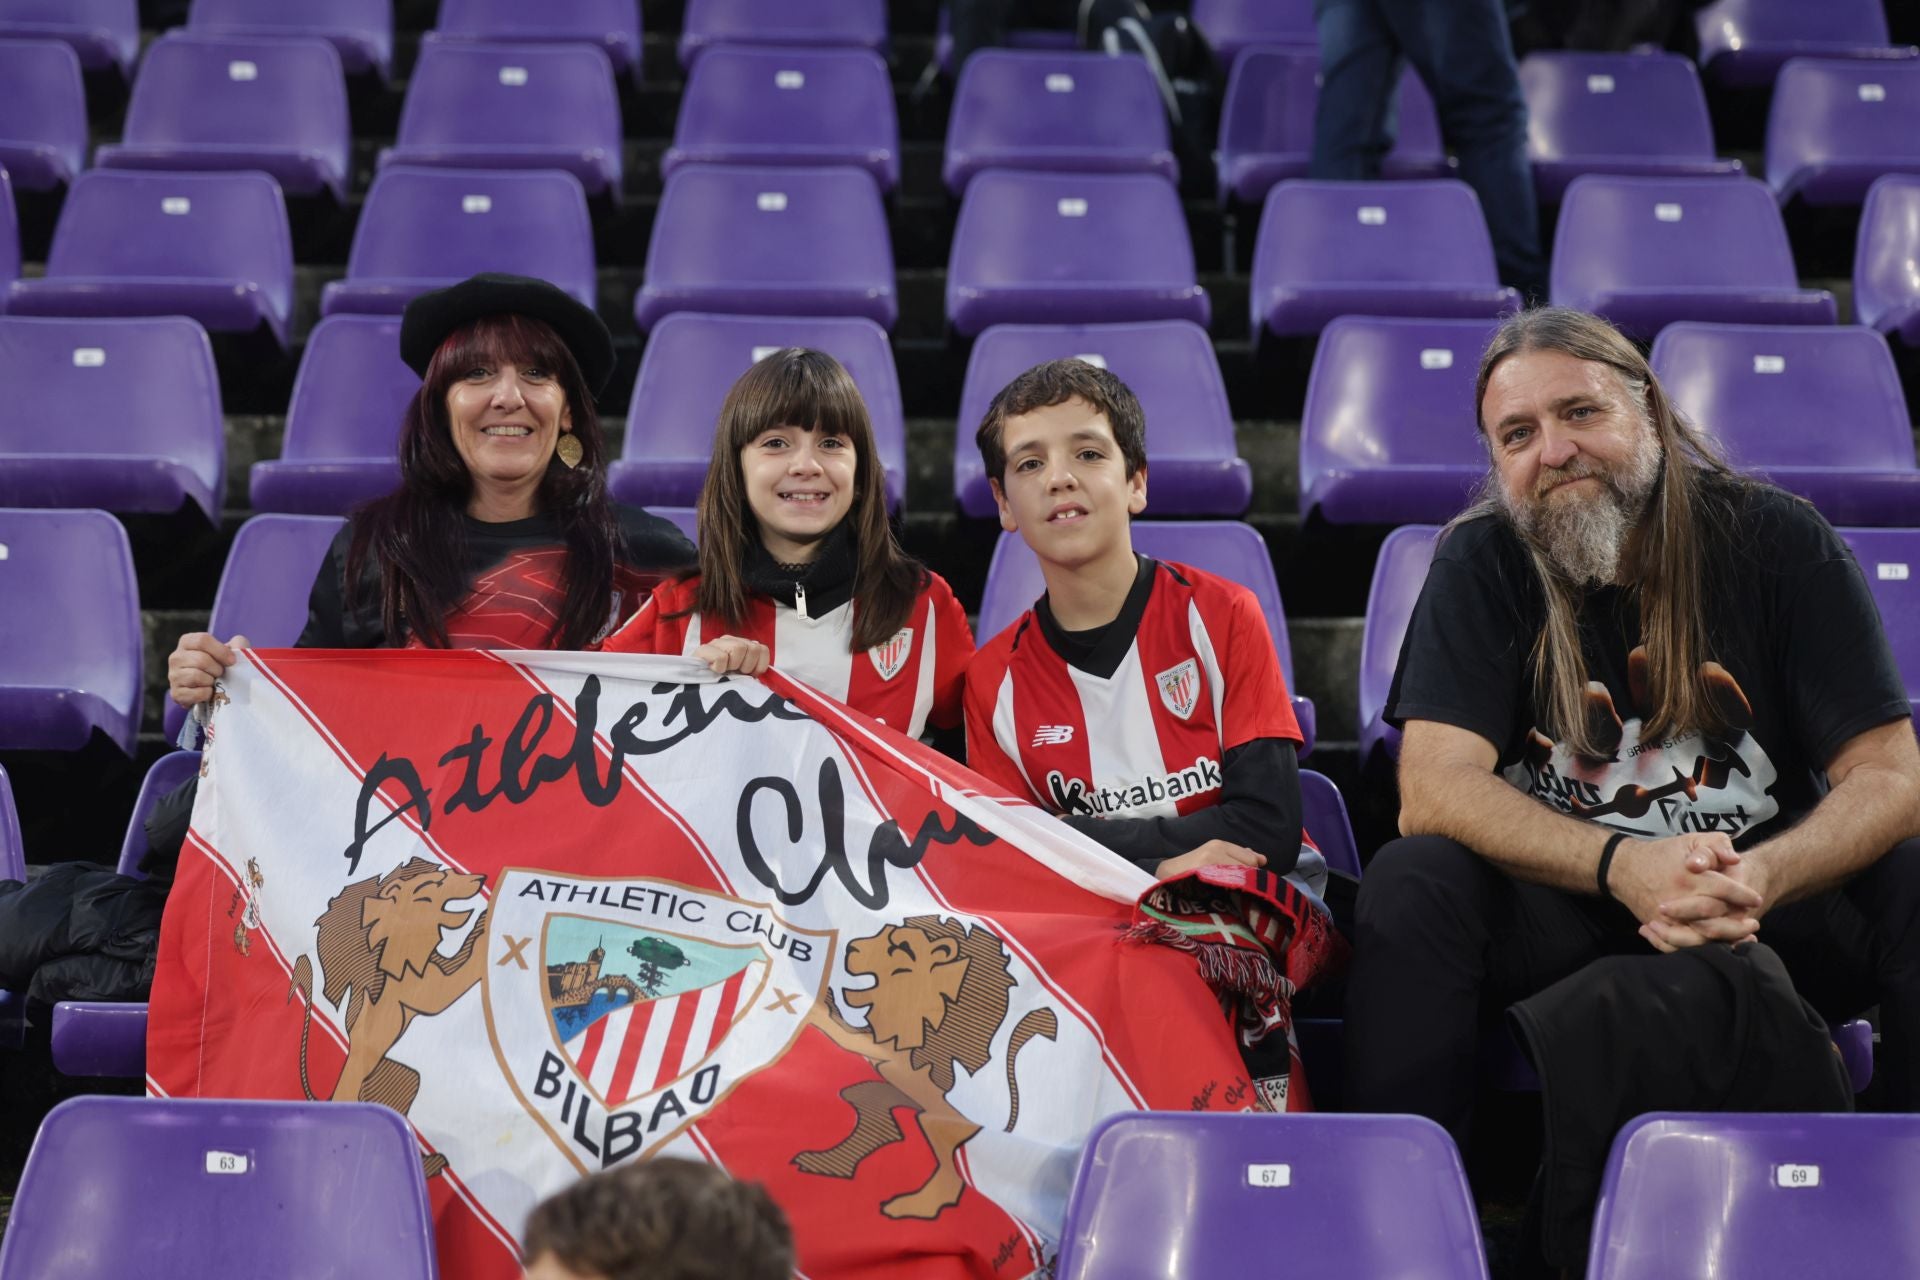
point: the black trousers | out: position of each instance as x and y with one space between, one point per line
1444 941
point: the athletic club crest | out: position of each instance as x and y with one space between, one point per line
891 655
1180 687
624 1010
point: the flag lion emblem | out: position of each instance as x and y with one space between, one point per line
940 994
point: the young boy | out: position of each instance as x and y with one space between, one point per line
663 1219
1141 702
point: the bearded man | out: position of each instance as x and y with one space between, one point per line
1648 706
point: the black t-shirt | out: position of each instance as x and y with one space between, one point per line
1789 618
515 567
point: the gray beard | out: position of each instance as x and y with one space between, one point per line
1585 535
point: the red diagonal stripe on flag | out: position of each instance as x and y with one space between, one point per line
590 1046
620 1088
686 1005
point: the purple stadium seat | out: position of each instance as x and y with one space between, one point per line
690 361
1068 112
141 398
503 106
1732 1194
213 246
859 24
202 1186
424 229
13 866
1323 812
43 114
361 31
1639 113
1644 252
1890 559
1398 575
231 102
1764 391
1388 433
612 25
742 240
9 238
70 630
1743 43
1225 547
105 33
1330 249
264 585
1071 248
1194 464
343 424
1234 26
789 107
103 1038
1886 293
1219 1193
1266 125
1837 126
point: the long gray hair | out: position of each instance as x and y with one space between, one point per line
1683 515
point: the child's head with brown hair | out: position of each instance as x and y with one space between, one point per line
794 460
662 1219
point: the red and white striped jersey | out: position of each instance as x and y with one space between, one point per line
1198 677
910 681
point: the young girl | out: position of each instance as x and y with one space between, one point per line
798 566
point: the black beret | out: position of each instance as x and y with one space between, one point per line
430 317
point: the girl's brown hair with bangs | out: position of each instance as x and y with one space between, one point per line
812 391
416 536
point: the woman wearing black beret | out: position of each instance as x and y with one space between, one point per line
501 534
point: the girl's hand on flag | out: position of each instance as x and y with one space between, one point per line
733 655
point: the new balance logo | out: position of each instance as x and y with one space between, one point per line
1052 735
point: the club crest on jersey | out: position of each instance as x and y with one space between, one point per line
623 1010
891 654
1180 687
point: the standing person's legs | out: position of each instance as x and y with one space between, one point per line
1464 53
1359 70
1442 939
1857 946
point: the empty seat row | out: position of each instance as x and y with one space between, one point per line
1388 434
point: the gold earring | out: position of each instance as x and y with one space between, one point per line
568 450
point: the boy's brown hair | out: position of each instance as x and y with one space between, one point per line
1057 382
663 1219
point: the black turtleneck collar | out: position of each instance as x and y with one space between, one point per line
1099 650
828 580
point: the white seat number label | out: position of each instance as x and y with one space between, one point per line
1436 358
227 1162
241 69
1667 212
1599 84
1093 358
1072 207
1873 93
1769 364
1372 215
1890 572
771 201
89 357
476 204
789 79
1059 82
1796 1175
761 353
513 77
1269 1175
176 205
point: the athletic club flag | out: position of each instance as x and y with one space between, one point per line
567 910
